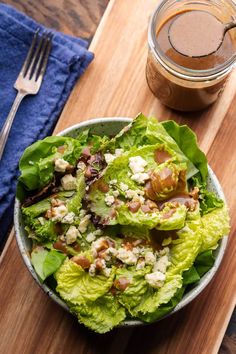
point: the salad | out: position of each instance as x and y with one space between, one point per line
121 226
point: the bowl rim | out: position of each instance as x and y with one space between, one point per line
187 298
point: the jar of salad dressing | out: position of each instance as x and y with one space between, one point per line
183 82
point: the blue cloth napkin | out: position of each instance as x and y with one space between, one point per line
37 114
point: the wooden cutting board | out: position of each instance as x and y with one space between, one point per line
115 85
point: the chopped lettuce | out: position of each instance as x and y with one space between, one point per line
76 286
100 315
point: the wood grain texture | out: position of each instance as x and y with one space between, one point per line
115 85
74 17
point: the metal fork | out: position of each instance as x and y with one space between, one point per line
29 79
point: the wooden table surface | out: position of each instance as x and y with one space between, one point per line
30 322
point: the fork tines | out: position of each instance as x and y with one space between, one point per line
37 57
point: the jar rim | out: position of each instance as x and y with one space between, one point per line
178 70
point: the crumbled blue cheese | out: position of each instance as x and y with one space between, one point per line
126 256
135 196
69 218
111 157
82 213
81 166
96 245
140 177
113 181
107 272
68 182
150 258
61 165
124 187
141 264
84 223
109 199
92 270
137 164
92 235
71 235
155 279
161 264
115 193
58 213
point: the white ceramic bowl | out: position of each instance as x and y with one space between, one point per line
111 126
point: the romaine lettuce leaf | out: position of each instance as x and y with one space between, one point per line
133 294
100 315
187 142
166 308
148 309
76 286
186 247
215 226
147 131
75 203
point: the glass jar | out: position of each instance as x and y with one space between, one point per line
178 86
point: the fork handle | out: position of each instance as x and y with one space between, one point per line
8 123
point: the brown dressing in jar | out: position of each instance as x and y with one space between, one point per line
188 43
169 73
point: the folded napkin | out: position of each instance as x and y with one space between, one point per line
37 114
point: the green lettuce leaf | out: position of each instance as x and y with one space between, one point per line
208 200
75 203
215 226
52 262
148 309
166 308
147 131
191 276
186 247
46 262
204 262
37 162
187 142
76 286
133 294
100 315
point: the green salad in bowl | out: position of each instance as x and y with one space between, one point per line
120 227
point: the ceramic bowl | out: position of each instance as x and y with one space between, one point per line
111 126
